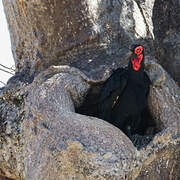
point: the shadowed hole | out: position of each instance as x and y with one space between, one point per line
149 128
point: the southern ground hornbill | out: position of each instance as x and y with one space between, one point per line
123 98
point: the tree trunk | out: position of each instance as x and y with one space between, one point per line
45 133
62 32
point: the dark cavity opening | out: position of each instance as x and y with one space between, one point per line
90 108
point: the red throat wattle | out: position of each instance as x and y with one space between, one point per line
136 62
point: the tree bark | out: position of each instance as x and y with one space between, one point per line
41 134
60 32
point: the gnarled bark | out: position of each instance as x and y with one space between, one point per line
42 136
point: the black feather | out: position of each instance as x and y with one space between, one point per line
123 98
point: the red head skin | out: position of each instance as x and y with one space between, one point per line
136 62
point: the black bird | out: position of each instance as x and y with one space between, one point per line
123 97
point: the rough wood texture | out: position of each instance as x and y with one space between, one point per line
41 135
85 33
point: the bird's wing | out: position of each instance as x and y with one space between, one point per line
111 91
147 82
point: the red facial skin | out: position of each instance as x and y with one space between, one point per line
138 50
136 62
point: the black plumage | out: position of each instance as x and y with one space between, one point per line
123 97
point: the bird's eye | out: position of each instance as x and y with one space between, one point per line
138 50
